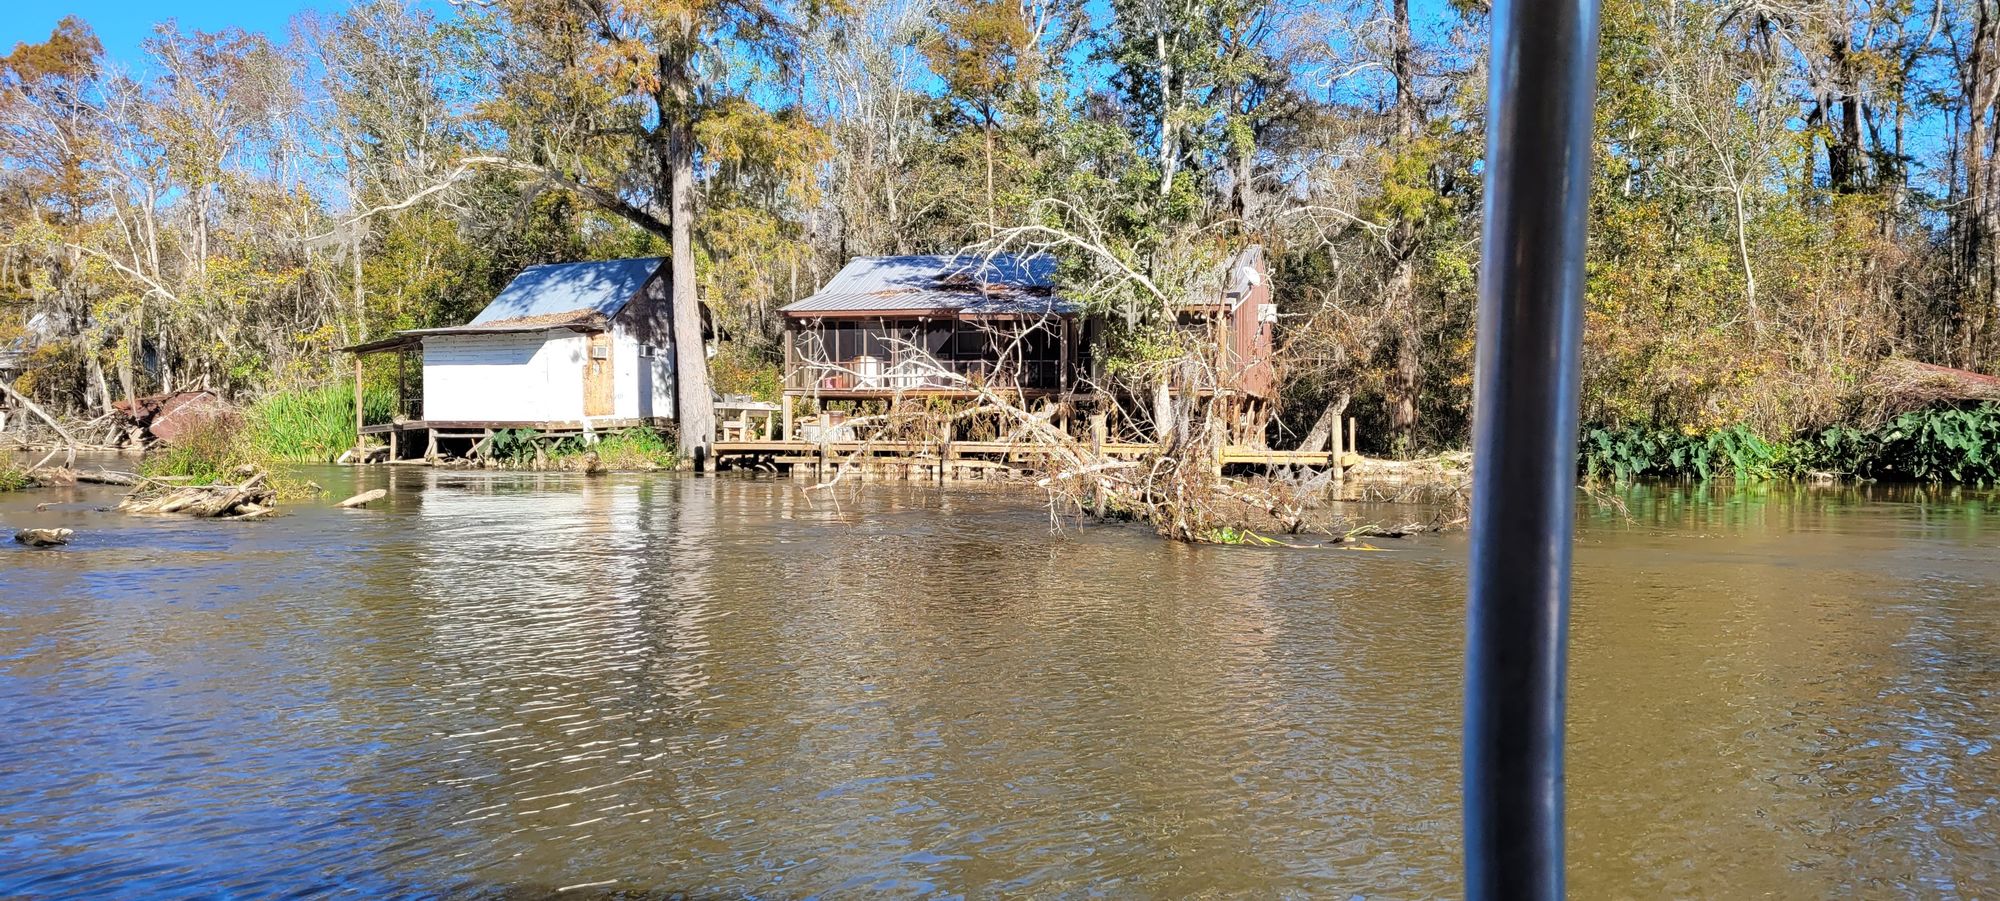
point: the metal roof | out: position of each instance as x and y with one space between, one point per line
1002 284
603 288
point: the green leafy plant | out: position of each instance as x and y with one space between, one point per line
514 447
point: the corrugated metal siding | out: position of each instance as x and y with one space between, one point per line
565 287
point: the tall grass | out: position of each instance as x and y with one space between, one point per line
310 425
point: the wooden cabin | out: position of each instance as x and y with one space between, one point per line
900 326
564 348
1240 323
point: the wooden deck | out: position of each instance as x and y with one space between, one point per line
961 459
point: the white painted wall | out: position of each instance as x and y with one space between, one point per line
646 377
530 377
625 400
538 377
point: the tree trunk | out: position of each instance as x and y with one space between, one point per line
1169 149
992 224
694 407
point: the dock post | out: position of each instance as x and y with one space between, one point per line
1100 430
359 411
1336 462
785 401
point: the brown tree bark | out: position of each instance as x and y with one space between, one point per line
694 406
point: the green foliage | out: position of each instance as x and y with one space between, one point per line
1234 535
1937 444
515 447
736 369
204 453
310 425
1636 452
13 477
636 449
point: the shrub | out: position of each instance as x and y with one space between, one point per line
13 477
203 453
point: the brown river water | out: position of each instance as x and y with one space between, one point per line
505 685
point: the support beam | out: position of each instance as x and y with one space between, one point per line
1538 157
360 413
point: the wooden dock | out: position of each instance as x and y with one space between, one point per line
958 459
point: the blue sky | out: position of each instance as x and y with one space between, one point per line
122 24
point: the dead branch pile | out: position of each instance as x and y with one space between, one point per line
250 498
1899 385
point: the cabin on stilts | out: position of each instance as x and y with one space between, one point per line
888 329
565 349
896 330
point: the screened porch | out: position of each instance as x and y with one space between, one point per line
878 357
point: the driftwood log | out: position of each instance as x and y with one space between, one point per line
363 499
249 499
44 537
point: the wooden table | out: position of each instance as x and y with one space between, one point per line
745 420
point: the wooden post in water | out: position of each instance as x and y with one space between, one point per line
1339 454
1353 436
1099 431
359 412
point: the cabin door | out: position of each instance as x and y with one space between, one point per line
597 377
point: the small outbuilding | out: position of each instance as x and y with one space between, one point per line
564 348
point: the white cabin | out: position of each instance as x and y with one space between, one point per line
564 347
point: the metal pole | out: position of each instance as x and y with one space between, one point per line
1538 155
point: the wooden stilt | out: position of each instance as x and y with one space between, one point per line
359 412
1099 430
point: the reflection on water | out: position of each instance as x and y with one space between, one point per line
509 685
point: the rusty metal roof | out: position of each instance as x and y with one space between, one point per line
1004 284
